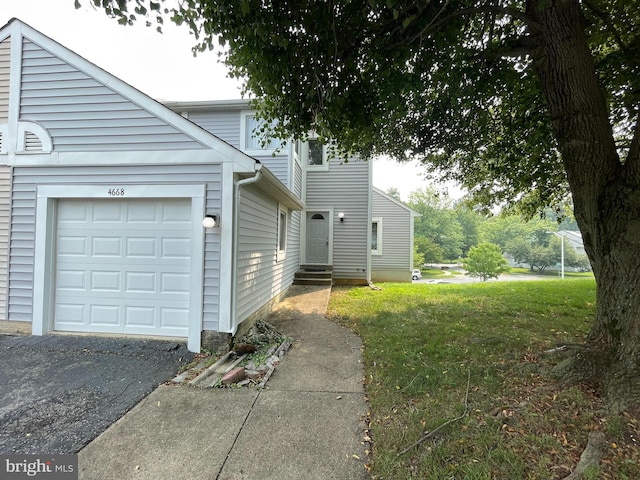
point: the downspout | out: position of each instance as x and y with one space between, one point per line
236 228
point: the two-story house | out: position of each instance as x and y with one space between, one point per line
122 215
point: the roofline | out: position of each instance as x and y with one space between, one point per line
397 202
207 104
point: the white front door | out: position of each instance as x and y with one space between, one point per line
123 266
318 237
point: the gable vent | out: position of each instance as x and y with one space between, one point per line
32 143
33 138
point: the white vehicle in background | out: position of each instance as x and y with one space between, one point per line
416 274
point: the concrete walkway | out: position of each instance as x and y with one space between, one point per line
307 424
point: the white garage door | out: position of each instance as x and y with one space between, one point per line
122 266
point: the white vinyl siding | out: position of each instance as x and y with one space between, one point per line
260 276
5 66
226 124
25 182
344 188
82 114
222 123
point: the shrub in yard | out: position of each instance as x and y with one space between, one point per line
485 261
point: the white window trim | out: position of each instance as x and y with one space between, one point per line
268 150
305 157
378 221
281 253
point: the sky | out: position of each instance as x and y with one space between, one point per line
161 65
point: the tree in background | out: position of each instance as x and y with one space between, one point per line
518 100
428 249
469 221
485 261
394 192
504 229
438 225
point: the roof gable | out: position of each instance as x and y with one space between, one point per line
84 108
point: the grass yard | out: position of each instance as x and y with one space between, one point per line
434 353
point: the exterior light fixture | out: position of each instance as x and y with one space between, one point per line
211 221
341 217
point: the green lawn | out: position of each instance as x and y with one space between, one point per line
423 342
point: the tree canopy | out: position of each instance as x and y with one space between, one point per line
452 83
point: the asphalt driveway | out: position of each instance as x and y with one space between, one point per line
59 392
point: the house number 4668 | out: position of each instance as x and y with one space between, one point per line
116 192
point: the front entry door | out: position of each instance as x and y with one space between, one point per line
318 237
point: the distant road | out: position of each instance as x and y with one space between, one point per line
448 277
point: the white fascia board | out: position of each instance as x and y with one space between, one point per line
178 106
115 158
154 107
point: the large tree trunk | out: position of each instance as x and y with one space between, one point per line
606 196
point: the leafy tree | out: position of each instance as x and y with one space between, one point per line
438 222
540 255
485 261
516 99
504 229
428 250
418 258
469 222
394 192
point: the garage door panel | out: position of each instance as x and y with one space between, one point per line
135 276
72 280
142 247
105 281
104 315
70 314
173 317
108 212
106 246
140 282
174 283
72 246
176 248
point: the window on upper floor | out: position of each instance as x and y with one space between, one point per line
376 236
316 155
254 135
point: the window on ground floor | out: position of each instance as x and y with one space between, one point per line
376 236
283 221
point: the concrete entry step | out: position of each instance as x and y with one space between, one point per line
314 275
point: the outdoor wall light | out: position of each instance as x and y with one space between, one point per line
211 221
341 217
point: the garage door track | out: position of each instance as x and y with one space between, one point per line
58 392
